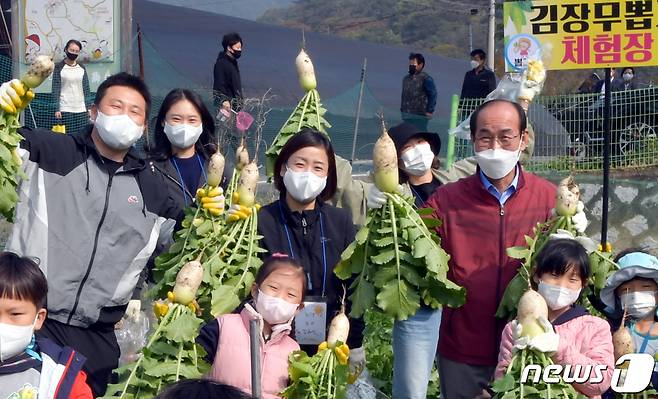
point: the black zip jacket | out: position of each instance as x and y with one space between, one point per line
227 85
305 238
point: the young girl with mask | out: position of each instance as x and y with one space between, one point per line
562 271
311 231
29 366
71 91
277 295
634 288
182 146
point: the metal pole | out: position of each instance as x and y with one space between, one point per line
141 52
606 160
450 154
254 338
470 35
492 34
358 108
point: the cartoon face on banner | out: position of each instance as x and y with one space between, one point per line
32 47
520 49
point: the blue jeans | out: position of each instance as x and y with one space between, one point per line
414 349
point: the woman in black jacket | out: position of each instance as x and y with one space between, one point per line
182 145
311 231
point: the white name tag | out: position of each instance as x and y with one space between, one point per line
311 323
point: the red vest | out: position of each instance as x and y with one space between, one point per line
476 231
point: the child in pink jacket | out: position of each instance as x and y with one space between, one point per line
278 295
561 273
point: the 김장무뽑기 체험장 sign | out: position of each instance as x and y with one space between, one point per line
581 34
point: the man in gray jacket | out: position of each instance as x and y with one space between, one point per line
91 211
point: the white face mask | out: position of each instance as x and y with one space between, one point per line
557 297
14 339
275 310
628 76
183 135
475 64
418 159
303 186
118 131
638 304
497 163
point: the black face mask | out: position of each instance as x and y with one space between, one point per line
71 56
412 69
236 53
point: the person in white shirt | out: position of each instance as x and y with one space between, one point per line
71 92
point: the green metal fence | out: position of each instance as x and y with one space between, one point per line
569 130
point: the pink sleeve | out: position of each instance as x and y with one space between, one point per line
597 338
505 353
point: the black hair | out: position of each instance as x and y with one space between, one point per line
559 255
22 279
275 262
73 41
308 138
161 147
628 67
523 122
230 39
480 52
418 57
127 80
201 389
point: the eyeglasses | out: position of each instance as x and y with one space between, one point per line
503 141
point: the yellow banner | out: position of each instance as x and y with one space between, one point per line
579 34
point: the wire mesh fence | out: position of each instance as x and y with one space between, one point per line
569 130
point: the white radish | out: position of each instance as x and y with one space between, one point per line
568 195
531 307
305 71
188 280
215 169
247 183
241 156
339 329
385 161
39 70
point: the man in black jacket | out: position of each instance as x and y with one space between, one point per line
479 81
227 86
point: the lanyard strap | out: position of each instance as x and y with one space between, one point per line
182 182
645 341
322 241
418 200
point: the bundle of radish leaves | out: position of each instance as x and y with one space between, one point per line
531 307
398 262
309 113
171 353
326 374
227 247
559 226
18 97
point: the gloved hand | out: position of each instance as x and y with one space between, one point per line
547 342
237 212
14 96
579 220
375 199
213 200
133 310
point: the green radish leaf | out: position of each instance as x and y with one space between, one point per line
385 274
432 223
437 262
425 211
363 298
383 242
505 384
448 293
422 247
518 252
397 300
362 235
224 300
511 297
383 257
184 329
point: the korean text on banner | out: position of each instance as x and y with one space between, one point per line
581 34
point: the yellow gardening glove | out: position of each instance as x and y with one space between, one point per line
14 96
237 212
212 200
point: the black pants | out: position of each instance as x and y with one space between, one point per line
74 121
98 345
